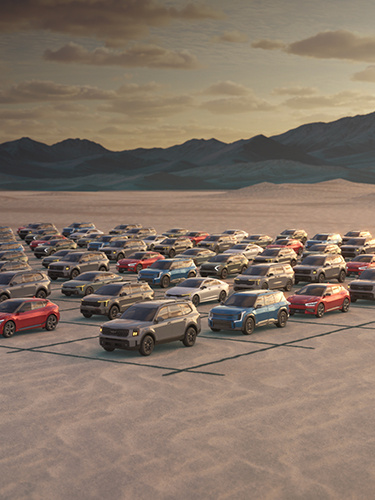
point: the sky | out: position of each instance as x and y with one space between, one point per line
155 73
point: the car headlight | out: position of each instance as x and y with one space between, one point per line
314 272
217 268
45 250
104 302
362 268
67 268
311 304
2 321
135 332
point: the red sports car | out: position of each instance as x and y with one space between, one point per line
26 314
318 299
296 245
360 264
197 236
137 261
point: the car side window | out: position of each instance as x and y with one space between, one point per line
259 302
163 314
175 311
38 304
25 307
268 300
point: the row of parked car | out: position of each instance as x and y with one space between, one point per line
256 300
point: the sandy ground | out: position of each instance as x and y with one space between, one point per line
282 414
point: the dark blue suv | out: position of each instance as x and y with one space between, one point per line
246 310
166 271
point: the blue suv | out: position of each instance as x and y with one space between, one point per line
246 310
166 271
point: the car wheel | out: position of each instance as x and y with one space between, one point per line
291 313
87 314
138 268
3 297
342 276
74 274
288 285
9 329
345 305
102 268
300 251
120 270
38 256
113 312
89 290
68 294
222 295
120 256
321 278
282 319
172 253
293 262
265 286
243 269
320 310
296 282
215 329
51 322
224 273
248 326
192 274
195 300
41 294
147 345
190 337
165 281
108 349
53 278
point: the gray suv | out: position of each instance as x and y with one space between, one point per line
272 276
154 322
218 242
321 267
75 263
120 249
15 284
113 298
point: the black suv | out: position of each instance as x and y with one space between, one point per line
218 242
140 232
120 249
355 234
148 323
321 267
32 227
15 284
223 264
356 246
272 276
363 287
277 255
111 299
76 263
173 246
40 233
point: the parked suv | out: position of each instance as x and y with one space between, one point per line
265 276
52 246
148 323
14 284
111 299
218 242
224 264
321 267
87 283
363 287
293 234
164 272
283 254
32 227
324 238
140 232
322 248
14 265
173 246
122 228
119 249
76 226
355 234
262 240
103 240
356 246
75 263
14 246
246 310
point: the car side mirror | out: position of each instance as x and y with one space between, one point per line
123 294
203 287
270 274
258 306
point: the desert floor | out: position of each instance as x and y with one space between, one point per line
281 414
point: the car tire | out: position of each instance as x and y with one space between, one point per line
321 278
195 300
165 281
120 270
342 276
113 312
3 297
120 256
41 294
51 322
282 319
138 268
192 274
172 253
320 310
215 329
38 256
9 329
264 286
224 273
293 262
353 299
89 290
288 285
248 326
68 294
74 274
190 337
243 269
147 345
102 268
345 305
53 278
86 314
222 295
296 281
108 349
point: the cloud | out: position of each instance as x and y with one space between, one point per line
340 44
227 88
340 99
231 37
295 91
367 75
145 55
115 21
236 105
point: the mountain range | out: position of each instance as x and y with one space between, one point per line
311 153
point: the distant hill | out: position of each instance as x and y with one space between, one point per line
315 152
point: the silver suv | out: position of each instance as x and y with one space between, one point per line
272 276
15 284
321 267
154 322
75 263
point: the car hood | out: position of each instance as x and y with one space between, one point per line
129 261
4 316
362 282
75 283
93 297
229 310
120 324
181 290
302 299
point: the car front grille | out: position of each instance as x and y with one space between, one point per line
115 333
221 324
363 288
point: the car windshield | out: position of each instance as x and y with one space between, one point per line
5 279
282 242
240 247
161 264
87 276
219 258
193 233
191 283
356 241
9 306
320 237
168 241
254 237
61 253
352 234
118 243
211 238
241 300
193 251
256 271
369 274
73 257
313 261
287 232
318 248
271 252
137 255
138 312
363 258
109 289
315 290
105 239
135 230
